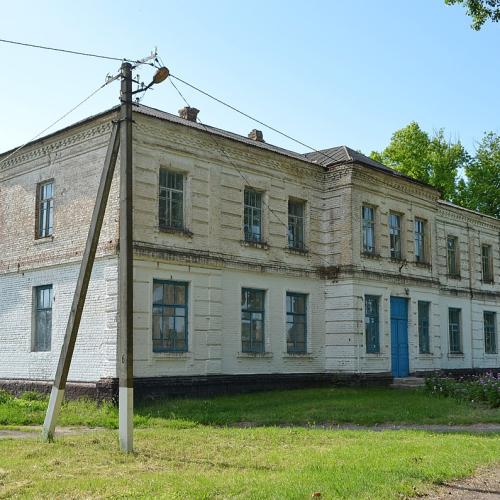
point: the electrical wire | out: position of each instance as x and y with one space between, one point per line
75 52
4 160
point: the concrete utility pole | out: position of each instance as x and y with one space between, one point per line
125 349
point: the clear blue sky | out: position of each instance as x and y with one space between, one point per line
326 72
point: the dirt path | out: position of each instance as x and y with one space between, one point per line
485 485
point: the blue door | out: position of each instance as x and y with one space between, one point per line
399 337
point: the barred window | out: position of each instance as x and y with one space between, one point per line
395 235
171 200
423 327
372 324
296 322
487 265
296 224
45 209
252 215
419 240
452 256
490 332
252 320
43 318
170 316
455 330
368 217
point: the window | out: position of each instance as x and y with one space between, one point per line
452 246
368 217
253 215
45 209
296 323
372 324
420 240
454 329
171 209
486 262
423 327
43 318
252 320
170 316
395 235
296 224
490 332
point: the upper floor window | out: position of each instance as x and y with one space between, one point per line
420 240
170 316
423 327
368 217
45 209
171 208
395 235
296 322
43 318
296 224
252 217
490 332
452 256
372 324
252 320
455 330
487 263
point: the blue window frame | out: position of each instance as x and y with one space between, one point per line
296 322
455 330
43 318
252 320
372 324
490 332
170 316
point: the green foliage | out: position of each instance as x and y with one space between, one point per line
478 388
480 11
433 160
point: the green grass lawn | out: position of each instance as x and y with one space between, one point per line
191 449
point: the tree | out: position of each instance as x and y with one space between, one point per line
481 188
433 160
480 11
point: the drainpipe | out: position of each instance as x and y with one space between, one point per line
471 293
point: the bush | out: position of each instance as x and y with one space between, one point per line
4 396
484 388
33 396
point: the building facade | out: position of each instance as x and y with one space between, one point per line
254 266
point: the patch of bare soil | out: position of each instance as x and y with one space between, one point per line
483 486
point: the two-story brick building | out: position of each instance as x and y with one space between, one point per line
254 266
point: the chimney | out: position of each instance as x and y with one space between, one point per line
189 113
256 135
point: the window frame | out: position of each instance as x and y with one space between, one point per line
395 236
368 226
255 347
372 320
295 349
249 212
44 224
424 341
297 222
175 306
490 333
420 240
455 328
487 271
36 344
166 195
455 252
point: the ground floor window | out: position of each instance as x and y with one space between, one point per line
372 324
490 332
423 327
43 318
296 322
170 316
455 330
252 320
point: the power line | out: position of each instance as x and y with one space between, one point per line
67 51
220 101
54 123
243 176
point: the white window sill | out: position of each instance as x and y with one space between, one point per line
456 355
262 245
45 239
298 355
254 355
172 355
